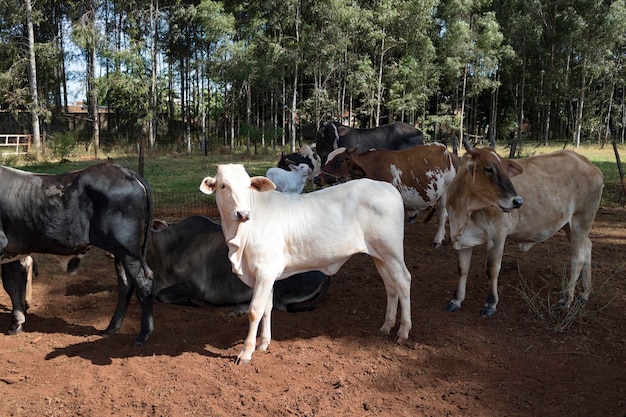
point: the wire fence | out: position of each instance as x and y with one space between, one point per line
177 205
174 205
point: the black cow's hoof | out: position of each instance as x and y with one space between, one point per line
451 307
15 329
487 311
109 331
437 245
142 339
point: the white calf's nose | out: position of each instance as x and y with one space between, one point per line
241 215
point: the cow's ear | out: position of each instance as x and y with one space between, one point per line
158 225
356 170
207 186
342 130
262 184
514 168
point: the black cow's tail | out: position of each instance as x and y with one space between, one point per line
309 305
148 226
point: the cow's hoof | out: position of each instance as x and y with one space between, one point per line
451 307
15 329
581 300
241 360
412 219
437 245
487 311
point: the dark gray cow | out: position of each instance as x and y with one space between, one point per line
191 266
394 136
105 205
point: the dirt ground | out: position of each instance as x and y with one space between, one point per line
332 361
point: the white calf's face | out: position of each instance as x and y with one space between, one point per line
232 186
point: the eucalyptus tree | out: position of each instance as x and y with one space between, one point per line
87 35
18 78
32 77
217 31
413 74
470 51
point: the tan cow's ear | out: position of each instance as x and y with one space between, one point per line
207 186
514 168
262 184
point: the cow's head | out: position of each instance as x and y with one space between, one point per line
327 138
342 166
232 186
484 178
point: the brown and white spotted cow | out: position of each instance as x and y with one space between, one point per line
422 174
526 201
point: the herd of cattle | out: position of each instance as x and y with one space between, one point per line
268 250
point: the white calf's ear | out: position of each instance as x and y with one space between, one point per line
262 184
207 186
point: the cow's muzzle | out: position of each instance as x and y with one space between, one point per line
241 215
515 203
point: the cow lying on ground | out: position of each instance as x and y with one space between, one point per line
271 236
292 181
525 201
105 205
190 264
422 174
394 136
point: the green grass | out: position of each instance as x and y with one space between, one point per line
179 173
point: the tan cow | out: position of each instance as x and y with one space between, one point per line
421 174
526 201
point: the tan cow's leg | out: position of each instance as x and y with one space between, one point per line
464 258
495 249
442 218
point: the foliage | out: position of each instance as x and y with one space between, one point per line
62 145
551 68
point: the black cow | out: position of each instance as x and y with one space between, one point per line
105 205
395 136
191 266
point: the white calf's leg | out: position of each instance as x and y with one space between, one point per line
397 280
266 323
260 298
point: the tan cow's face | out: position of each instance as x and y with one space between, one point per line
489 180
232 186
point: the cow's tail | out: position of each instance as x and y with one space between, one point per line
149 218
309 304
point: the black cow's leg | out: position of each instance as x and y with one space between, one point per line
14 282
124 292
125 289
147 321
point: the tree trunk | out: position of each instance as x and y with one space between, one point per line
92 94
581 102
379 88
32 79
463 105
152 128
